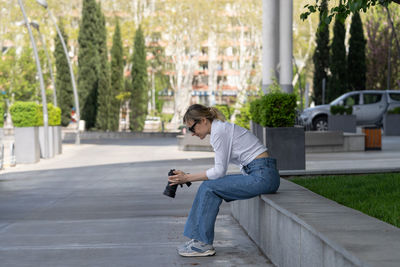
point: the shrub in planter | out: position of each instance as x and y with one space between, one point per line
341 110
341 119
26 116
394 111
274 110
273 116
54 115
54 131
55 123
391 122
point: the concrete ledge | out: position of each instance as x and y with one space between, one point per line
70 136
296 227
288 173
324 138
188 142
334 141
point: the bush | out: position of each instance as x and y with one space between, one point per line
226 110
243 118
274 110
394 111
341 110
26 114
54 115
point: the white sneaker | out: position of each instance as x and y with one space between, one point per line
186 244
196 249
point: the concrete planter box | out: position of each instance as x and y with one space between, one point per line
57 139
27 148
286 144
391 124
51 142
345 123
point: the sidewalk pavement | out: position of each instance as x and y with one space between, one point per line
101 204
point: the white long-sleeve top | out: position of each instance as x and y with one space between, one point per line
232 144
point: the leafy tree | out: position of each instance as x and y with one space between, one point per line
356 65
7 73
159 80
337 84
117 79
104 86
88 62
138 102
26 86
321 57
344 7
63 79
379 46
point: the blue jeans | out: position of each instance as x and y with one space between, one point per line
262 178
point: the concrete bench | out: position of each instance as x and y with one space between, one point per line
296 227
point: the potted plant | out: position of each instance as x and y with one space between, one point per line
391 122
55 123
272 121
341 119
26 117
54 131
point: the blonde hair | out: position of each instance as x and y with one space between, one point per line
196 112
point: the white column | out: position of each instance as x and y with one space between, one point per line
270 42
286 45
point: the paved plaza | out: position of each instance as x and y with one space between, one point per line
101 204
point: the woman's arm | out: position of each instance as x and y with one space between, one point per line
180 177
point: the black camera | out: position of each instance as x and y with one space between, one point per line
170 190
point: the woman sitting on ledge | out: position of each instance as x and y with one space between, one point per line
232 144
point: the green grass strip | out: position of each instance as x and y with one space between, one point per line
377 195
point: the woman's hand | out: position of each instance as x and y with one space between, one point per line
179 178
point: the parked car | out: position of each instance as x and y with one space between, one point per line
369 107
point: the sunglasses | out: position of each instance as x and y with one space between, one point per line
191 128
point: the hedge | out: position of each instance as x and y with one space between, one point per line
339 109
26 114
226 110
275 109
54 114
394 111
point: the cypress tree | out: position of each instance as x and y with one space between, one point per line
321 55
103 96
356 64
63 79
338 80
88 62
117 78
138 102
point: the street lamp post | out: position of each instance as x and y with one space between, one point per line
39 70
35 25
43 3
